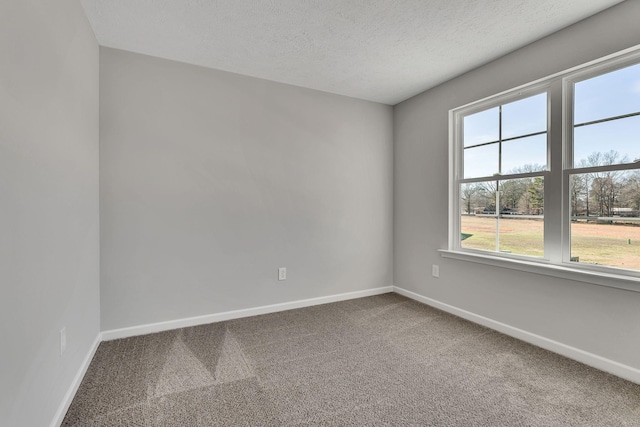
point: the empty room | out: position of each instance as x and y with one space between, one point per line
336 213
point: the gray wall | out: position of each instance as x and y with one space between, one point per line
49 193
600 320
210 181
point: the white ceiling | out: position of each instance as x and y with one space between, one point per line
378 50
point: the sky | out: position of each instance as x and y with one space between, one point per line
608 95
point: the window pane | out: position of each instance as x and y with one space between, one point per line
524 155
521 222
482 127
525 116
478 232
478 216
481 161
608 95
617 141
605 220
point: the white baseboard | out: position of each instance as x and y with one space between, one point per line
68 397
593 360
236 314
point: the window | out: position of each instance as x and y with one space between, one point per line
604 179
502 184
550 172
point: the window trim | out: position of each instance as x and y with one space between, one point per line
557 246
606 279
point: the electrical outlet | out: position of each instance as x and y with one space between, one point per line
63 340
282 273
435 270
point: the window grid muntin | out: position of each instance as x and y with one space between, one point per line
508 139
608 119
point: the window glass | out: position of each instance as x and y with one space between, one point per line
524 155
607 95
605 218
482 127
491 150
593 144
481 161
478 225
517 226
521 221
525 116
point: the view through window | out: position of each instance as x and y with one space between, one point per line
605 184
502 190
503 170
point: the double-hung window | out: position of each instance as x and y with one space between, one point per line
549 173
501 183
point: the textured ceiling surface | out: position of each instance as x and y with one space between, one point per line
378 50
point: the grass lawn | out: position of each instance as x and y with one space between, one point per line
606 244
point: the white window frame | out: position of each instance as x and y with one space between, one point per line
458 154
557 229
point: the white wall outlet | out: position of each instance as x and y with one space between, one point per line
63 340
282 273
435 270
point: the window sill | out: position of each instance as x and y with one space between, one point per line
611 280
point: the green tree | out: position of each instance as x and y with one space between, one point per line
535 194
630 194
511 192
605 186
578 187
467 194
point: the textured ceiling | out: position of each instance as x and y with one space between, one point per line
379 50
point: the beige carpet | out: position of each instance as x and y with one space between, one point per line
378 361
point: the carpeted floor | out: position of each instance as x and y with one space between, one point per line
377 361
